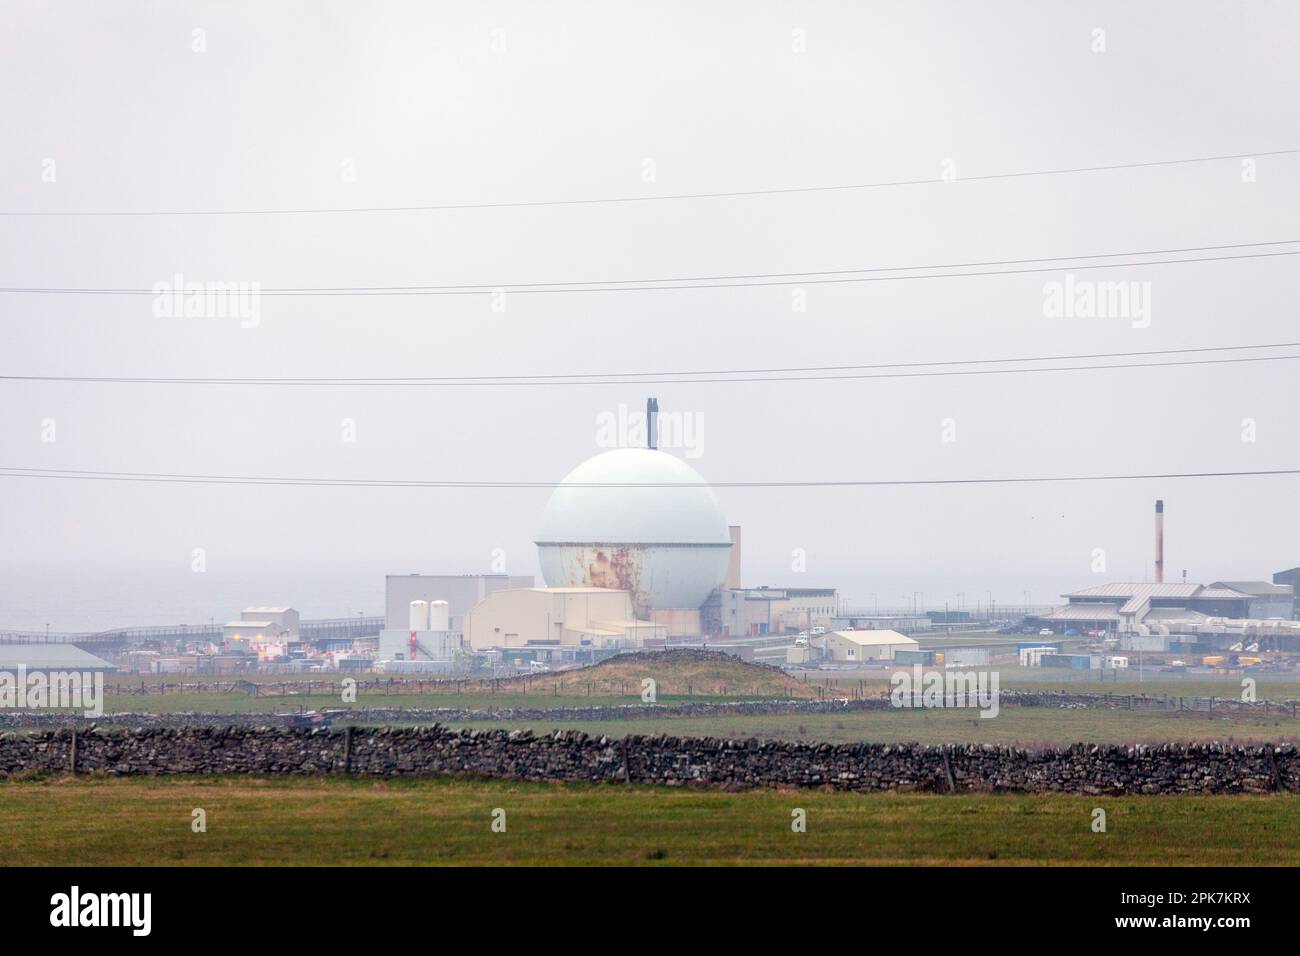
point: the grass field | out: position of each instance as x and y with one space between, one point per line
623 684
238 703
257 821
618 684
1013 725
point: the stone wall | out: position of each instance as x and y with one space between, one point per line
573 756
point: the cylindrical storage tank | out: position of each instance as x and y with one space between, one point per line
419 615
439 616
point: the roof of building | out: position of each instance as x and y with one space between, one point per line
1081 612
1132 596
1132 589
1255 588
266 610
50 657
874 638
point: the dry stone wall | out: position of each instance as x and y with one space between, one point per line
675 761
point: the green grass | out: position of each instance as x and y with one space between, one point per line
1272 687
1013 725
1011 676
350 821
238 703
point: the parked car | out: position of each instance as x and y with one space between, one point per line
1045 632
1071 632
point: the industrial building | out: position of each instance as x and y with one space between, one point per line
616 522
1135 608
559 618
259 627
460 591
643 521
862 621
857 647
1291 579
428 636
749 612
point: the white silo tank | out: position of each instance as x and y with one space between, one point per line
419 615
439 616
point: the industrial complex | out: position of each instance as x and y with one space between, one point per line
636 553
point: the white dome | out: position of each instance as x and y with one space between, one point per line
616 522
633 515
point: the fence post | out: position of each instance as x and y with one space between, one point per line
1272 762
73 760
947 769
347 749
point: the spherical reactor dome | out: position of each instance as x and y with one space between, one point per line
616 521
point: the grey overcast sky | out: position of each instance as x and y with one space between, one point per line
314 104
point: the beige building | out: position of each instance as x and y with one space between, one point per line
260 625
563 617
853 647
805 608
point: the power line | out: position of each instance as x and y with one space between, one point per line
72 474
708 282
716 376
730 194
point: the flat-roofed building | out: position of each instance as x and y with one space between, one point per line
748 612
856 647
1130 607
558 617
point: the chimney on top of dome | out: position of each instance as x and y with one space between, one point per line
651 422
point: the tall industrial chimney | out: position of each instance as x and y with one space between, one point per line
651 422
1160 540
